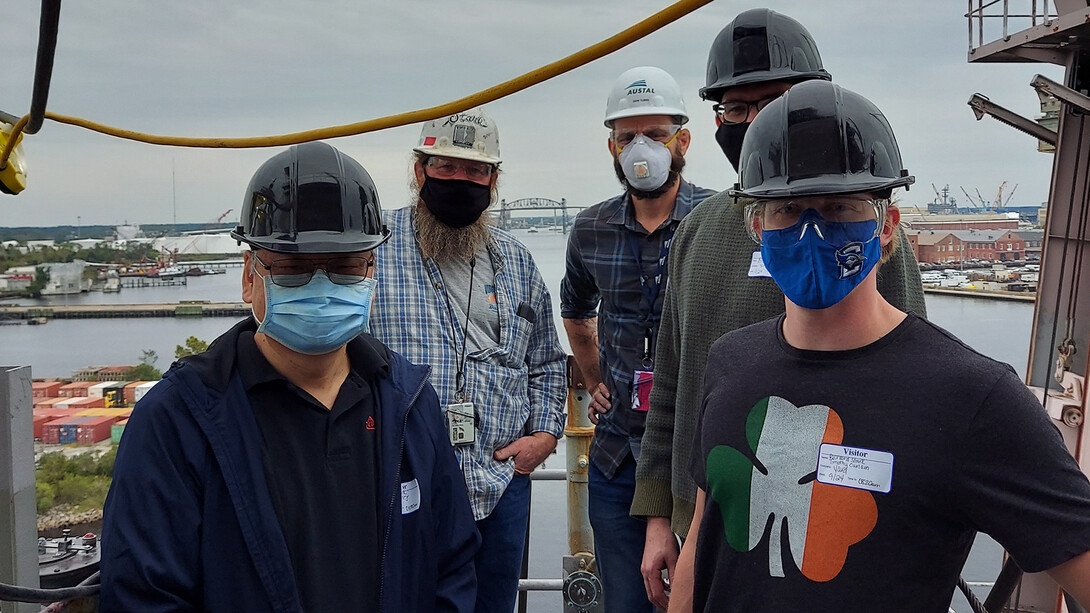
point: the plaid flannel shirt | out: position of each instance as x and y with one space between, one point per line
601 269
517 387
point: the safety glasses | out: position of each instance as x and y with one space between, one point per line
661 133
297 272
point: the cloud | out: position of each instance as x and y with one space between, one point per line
207 68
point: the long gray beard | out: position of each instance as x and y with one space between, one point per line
442 243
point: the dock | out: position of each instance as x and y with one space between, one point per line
981 293
111 311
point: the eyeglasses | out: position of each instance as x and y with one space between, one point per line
780 214
663 133
446 168
737 111
297 272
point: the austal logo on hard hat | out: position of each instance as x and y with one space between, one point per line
639 87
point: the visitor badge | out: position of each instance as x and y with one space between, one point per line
641 389
862 469
410 497
757 266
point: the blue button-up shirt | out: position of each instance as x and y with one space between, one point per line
602 268
517 387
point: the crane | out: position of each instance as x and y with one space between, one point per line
1000 202
219 219
976 205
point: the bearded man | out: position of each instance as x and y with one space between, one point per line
467 299
616 261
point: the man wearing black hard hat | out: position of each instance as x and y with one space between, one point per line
823 483
298 464
718 281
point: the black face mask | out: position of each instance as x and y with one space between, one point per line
729 136
455 202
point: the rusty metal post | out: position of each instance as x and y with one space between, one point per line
582 588
18 511
577 436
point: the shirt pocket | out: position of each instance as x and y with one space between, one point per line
516 342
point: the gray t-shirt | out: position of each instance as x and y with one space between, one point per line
484 318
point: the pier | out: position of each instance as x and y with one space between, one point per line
110 311
981 293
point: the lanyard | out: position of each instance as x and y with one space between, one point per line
650 286
460 378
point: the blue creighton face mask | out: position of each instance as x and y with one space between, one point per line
318 317
816 262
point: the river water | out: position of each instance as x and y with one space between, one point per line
999 329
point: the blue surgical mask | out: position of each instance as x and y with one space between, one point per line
816 262
318 317
645 163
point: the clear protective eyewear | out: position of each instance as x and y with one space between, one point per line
780 214
297 272
737 111
664 134
445 168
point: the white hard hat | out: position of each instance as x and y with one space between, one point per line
471 135
645 90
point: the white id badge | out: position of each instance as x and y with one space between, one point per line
460 424
410 496
757 266
862 469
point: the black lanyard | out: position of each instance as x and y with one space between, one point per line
460 378
651 287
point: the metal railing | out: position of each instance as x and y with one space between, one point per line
996 17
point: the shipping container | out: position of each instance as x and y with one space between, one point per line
143 389
70 428
115 394
86 403
117 430
39 421
41 390
130 392
121 413
47 403
98 390
76 389
93 430
51 430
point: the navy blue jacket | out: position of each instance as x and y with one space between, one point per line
189 524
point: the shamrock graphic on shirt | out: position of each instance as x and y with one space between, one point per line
777 480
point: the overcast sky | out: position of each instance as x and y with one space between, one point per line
241 68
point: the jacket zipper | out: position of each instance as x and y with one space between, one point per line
396 484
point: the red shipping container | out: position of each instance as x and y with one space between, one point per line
46 403
51 430
129 393
39 421
95 429
76 389
41 390
87 403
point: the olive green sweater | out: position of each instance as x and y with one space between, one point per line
709 294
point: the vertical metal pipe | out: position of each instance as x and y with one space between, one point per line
1006 14
526 549
577 436
18 510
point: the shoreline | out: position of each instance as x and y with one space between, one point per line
982 293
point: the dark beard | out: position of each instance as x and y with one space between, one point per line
677 162
442 243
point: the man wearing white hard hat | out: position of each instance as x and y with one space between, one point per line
611 300
466 298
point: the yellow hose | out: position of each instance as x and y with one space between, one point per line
654 22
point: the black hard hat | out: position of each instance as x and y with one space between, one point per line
311 198
819 139
761 45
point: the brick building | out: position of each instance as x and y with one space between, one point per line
955 246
